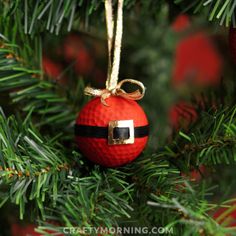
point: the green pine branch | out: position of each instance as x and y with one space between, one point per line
212 140
193 218
31 168
58 15
37 170
221 11
50 102
98 200
158 176
181 207
48 15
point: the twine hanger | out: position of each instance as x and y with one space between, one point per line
114 36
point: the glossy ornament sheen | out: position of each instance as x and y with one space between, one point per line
94 113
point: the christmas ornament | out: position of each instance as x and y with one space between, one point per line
112 135
197 62
51 68
112 129
54 70
196 175
75 50
226 215
18 230
181 23
232 42
28 230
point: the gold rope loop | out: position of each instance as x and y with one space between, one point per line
114 35
136 95
117 91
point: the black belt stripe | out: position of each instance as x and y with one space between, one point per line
102 132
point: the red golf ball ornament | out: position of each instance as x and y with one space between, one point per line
112 135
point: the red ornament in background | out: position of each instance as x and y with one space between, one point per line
18 230
181 115
232 42
84 63
28 230
181 23
226 215
72 45
196 59
51 68
76 50
196 175
98 116
54 70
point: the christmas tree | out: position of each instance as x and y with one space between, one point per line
72 164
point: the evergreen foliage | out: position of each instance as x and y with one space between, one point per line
41 172
221 11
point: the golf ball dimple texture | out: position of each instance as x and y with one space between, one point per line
94 113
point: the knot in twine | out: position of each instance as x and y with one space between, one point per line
117 91
113 88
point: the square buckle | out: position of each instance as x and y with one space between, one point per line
129 124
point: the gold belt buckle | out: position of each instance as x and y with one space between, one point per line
120 124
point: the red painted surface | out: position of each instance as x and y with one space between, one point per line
96 114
